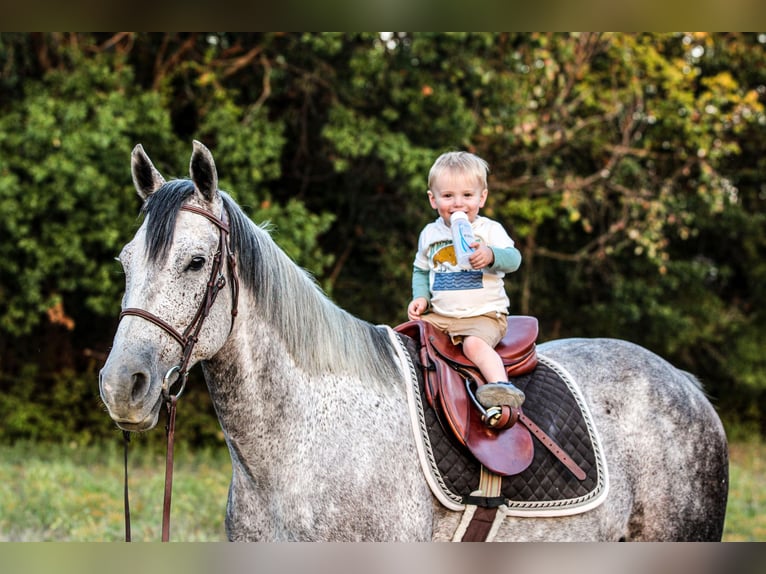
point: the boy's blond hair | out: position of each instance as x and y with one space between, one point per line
462 161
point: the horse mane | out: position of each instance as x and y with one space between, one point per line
319 335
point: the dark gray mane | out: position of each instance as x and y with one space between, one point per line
161 209
319 335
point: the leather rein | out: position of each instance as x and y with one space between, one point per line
188 339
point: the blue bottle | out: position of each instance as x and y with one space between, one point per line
462 238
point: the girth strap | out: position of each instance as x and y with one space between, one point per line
480 525
483 506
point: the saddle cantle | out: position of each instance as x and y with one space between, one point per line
445 369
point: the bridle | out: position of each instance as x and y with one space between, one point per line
217 281
188 339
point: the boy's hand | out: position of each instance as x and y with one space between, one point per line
416 308
482 257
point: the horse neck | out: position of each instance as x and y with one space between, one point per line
257 375
290 349
251 367
318 335
270 407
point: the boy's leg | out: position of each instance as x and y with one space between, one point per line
485 358
498 391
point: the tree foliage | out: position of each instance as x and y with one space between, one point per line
627 167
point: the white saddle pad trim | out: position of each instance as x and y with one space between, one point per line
419 429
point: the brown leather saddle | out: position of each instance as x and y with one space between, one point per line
505 449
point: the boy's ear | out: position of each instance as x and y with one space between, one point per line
484 194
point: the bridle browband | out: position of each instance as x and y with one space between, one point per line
188 339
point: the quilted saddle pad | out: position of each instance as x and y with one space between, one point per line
546 487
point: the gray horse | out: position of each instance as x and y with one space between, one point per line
312 400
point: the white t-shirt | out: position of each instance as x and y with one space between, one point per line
456 292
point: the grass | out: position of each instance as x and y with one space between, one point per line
66 493
746 510
69 493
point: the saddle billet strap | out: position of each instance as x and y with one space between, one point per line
490 483
555 449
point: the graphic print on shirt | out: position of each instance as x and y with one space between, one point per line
447 275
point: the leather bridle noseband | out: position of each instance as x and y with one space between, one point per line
188 339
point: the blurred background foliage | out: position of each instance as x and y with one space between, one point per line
628 168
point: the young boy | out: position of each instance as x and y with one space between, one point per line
470 306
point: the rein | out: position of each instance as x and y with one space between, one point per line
188 339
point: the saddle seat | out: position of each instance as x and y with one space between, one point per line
446 369
517 348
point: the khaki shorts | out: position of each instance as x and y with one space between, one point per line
490 327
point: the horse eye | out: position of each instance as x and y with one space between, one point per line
196 264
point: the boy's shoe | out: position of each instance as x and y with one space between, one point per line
499 394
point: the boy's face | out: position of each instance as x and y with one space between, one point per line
455 191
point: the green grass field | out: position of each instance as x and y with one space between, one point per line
746 511
60 493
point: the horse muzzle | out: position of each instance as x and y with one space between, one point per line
133 397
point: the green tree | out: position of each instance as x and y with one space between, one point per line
627 167
65 189
64 195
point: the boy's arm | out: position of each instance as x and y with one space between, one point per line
421 286
421 294
507 259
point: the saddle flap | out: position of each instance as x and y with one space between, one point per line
505 452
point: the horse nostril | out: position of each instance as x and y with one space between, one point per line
139 385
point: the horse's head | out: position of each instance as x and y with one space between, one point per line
178 308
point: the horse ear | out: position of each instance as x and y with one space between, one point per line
203 172
146 178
